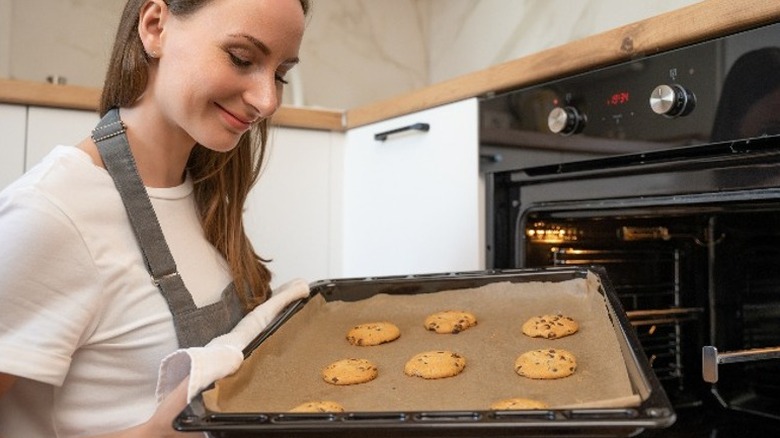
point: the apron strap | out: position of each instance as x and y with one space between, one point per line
112 144
194 326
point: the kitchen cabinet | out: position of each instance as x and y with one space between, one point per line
290 212
30 132
331 204
13 126
410 202
334 205
49 127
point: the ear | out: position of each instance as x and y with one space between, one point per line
151 22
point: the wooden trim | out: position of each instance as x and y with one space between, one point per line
45 94
698 22
297 117
86 98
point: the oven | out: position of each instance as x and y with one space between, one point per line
665 171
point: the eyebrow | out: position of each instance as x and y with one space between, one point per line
261 46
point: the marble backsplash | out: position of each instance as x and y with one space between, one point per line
355 51
363 51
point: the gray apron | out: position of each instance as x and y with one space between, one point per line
194 326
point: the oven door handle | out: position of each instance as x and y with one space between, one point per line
710 359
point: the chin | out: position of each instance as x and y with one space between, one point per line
220 145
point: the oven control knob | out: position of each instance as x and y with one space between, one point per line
565 120
672 101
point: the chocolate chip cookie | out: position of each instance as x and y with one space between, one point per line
552 363
350 371
450 321
374 333
435 365
550 326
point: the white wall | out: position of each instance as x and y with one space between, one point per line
355 51
361 51
5 38
67 38
469 35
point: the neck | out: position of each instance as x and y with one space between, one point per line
160 151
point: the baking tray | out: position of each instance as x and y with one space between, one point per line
651 412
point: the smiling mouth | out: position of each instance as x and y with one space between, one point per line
233 121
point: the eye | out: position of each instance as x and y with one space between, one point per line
238 61
281 80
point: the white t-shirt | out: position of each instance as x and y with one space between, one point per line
81 323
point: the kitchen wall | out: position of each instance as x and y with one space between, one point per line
355 51
5 37
67 38
362 51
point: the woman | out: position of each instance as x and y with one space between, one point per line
130 245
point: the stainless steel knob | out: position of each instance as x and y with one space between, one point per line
565 120
672 101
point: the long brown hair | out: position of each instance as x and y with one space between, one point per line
221 180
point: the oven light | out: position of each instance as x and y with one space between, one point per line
544 233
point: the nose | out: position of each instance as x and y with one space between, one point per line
263 94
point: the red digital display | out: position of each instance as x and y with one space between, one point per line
619 98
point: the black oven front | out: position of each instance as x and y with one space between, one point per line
672 183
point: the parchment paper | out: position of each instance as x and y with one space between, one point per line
285 370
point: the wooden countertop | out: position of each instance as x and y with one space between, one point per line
695 23
86 98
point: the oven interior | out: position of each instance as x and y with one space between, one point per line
665 170
687 276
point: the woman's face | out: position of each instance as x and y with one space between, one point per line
221 69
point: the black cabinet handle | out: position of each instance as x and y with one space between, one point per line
382 136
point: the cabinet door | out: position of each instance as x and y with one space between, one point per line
13 122
410 202
49 127
288 214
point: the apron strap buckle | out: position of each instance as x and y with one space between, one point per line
156 281
104 132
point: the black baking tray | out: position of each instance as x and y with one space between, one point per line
654 411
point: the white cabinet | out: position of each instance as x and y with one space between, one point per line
29 133
288 213
49 127
410 203
330 204
13 126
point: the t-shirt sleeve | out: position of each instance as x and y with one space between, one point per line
49 298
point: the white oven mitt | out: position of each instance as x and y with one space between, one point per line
224 354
